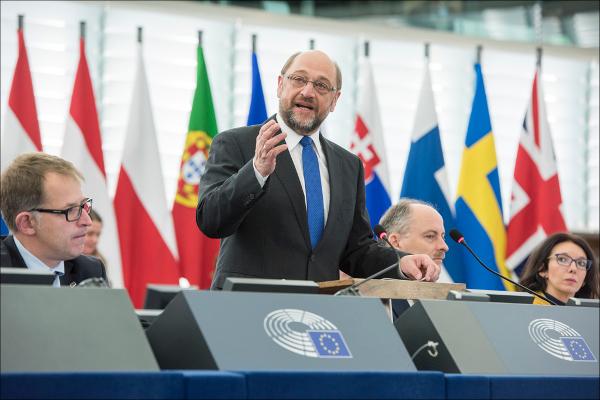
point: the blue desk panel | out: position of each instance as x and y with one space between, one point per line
95 385
344 385
538 387
292 385
213 385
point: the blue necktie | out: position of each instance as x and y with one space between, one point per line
314 193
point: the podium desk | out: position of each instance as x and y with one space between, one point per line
388 289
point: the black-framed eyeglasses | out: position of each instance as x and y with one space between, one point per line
565 260
72 214
300 82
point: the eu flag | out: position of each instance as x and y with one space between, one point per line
578 348
329 343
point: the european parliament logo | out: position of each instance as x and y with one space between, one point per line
560 340
306 333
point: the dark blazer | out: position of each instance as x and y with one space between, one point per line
264 231
76 270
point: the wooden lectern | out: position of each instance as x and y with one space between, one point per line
387 289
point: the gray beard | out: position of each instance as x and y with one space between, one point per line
299 127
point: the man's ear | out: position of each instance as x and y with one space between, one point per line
543 274
26 223
394 239
334 102
279 86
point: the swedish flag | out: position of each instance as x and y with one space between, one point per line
479 202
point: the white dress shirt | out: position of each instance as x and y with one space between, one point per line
34 263
293 142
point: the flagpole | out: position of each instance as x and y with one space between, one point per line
478 54
311 44
254 42
366 49
199 38
82 29
427 51
20 21
139 34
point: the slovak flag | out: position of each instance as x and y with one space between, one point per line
144 221
21 128
367 143
83 147
536 202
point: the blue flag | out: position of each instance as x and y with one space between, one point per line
258 109
425 177
3 227
479 203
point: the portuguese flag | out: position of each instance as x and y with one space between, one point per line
197 253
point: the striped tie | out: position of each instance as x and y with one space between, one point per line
314 193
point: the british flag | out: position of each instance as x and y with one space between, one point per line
536 202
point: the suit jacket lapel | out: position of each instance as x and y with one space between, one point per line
15 257
68 276
288 177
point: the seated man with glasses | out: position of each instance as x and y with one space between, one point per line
42 204
561 267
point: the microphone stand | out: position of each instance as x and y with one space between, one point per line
461 240
351 290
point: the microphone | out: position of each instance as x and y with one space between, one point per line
460 239
351 290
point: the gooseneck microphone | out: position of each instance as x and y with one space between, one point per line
351 290
460 239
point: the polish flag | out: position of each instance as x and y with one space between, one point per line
21 128
83 147
144 221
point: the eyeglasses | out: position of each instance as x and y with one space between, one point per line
565 260
72 214
321 87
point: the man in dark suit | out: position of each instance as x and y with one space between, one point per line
42 204
289 207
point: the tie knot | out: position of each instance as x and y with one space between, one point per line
306 141
58 273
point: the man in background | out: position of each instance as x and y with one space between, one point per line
414 226
92 237
43 206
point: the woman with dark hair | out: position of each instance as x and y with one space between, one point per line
562 266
